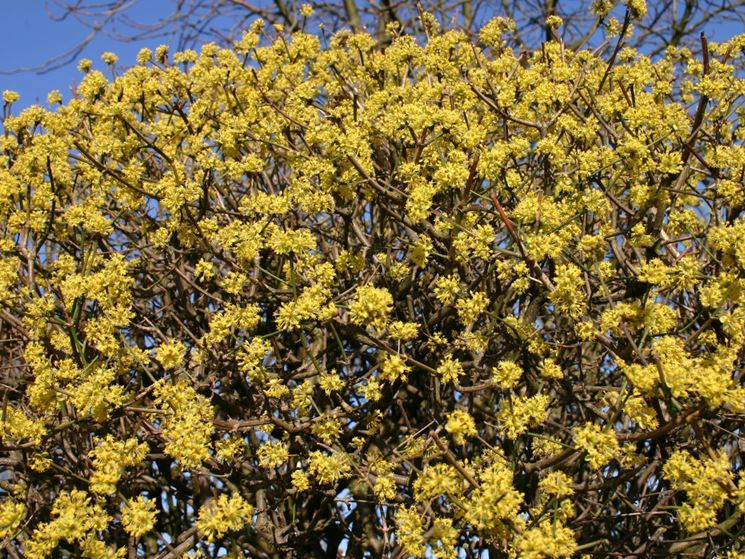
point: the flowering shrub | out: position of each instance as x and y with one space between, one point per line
302 297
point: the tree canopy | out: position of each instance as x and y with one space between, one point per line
325 295
189 23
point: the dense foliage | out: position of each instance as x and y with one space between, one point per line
311 296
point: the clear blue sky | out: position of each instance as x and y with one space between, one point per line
30 38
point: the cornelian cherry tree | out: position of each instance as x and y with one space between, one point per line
663 23
315 298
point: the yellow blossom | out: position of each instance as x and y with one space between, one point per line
600 446
371 307
450 370
171 354
110 458
506 374
138 517
328 468
460 425
222 515
273 454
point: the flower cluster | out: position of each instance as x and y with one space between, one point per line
439 297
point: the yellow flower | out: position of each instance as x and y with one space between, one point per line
446 289
222 515
300 480
460 425
556 483
273 454
393 367
74 519
470 309
10 96
495 502
187 422
16 426
331 382
329 468
410 531
85 65
450 370
171 354
327 428
554 21
550 369
549 540
704 482
403 331
506 374
138 517
371 307
110 458
567 295
521 413
600 446
440 479
109 58
12 514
